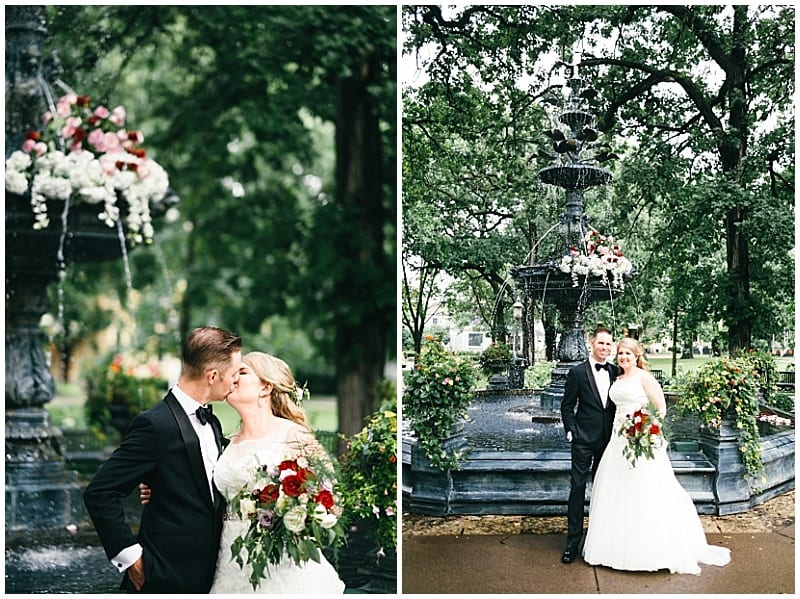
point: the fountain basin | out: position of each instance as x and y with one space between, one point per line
547 282
574 176
526 469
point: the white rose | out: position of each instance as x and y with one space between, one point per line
295 519
18 161
246 507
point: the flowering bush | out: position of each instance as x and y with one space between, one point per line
601 257
369 473
436 394
495 358
727 388
294 510
124 384
644 431
84 154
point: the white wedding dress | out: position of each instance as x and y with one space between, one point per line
231 474
641 518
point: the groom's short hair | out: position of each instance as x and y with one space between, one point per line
208 347
601 329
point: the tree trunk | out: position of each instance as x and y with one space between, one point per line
361 333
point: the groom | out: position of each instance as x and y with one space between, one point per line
588 427
173 448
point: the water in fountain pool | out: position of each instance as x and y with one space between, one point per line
61 568
513 422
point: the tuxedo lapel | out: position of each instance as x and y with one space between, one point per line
592 383
192 443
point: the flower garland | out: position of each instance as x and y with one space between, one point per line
84 154
603 258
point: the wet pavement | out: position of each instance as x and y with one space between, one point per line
521 554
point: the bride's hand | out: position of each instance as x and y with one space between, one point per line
144 494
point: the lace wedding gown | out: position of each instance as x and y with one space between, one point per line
230 475
641 518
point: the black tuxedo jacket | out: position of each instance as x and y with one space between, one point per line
582 410
180 527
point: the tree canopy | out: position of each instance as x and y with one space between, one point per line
276 125
695 100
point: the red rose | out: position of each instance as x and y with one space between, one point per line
292 485
325 498
288 465
83 101
631 431
34 135
654 429
269 494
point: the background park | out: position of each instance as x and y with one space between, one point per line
569 166
276 127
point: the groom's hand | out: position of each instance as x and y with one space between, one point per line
136 573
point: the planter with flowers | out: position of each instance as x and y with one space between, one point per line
598 256
119 388
436 393
84 161
369 480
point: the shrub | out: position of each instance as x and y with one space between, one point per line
436 394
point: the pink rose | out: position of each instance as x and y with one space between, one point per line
97 138
101 112
117 116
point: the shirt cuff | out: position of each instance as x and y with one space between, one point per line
127 557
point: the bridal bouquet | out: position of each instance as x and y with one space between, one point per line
644 432
294 511
85 154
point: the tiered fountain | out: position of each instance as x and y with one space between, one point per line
40 492
518 459
547 282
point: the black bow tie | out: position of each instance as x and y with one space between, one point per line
203 414
598 367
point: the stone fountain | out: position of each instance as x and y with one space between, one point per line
40 492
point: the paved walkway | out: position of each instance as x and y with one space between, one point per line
444 560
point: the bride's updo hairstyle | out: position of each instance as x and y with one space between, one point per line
636 348
270 369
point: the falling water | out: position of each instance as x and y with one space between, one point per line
127 266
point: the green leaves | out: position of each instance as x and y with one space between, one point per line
436 394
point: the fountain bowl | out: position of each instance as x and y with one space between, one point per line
574 176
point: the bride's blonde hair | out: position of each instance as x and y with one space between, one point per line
636 348
270 369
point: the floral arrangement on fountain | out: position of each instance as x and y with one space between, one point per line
85 154
602 258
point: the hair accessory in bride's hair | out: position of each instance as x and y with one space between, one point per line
301 394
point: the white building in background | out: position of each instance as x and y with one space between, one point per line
476 339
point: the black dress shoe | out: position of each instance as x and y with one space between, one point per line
569 555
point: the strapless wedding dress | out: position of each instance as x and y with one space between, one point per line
230 475
641 518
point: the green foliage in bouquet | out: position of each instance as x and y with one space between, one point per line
436 394
369 472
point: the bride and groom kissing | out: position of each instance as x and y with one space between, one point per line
640 517
176 448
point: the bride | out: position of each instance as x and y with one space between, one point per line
641 518
271 425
